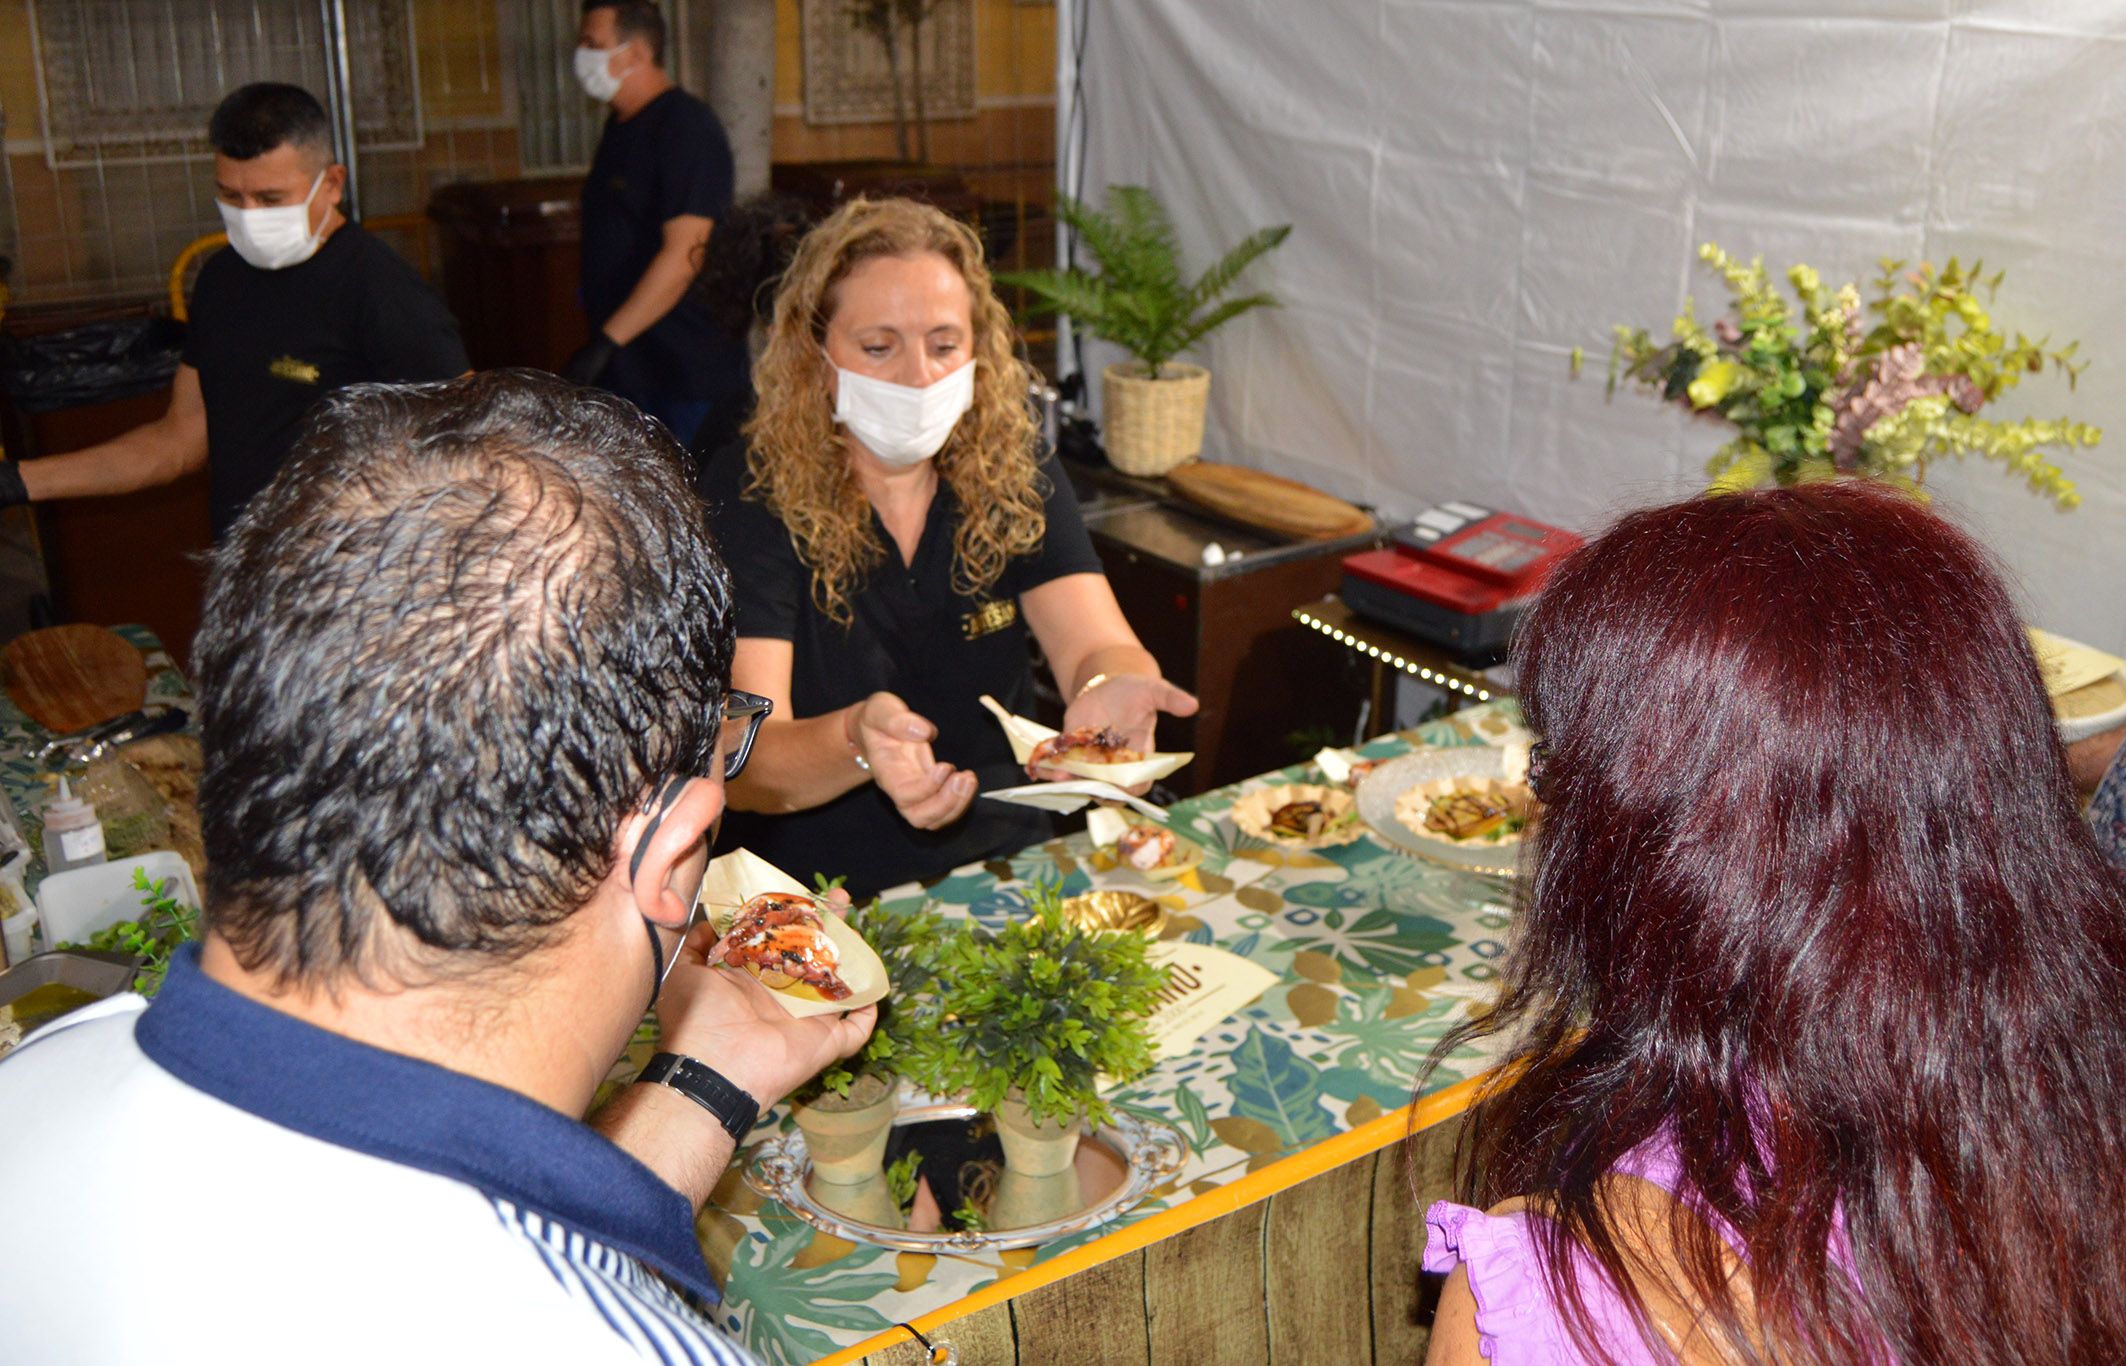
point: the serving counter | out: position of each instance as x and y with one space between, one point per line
1292 1228
1289 1227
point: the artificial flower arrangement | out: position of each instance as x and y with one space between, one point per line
1843 388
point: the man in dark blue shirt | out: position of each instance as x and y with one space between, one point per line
659 181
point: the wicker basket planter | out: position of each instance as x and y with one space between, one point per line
1152 425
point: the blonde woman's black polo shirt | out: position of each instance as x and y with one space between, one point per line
914 636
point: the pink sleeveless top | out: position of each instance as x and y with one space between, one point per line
1517 1320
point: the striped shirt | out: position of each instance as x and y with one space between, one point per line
205 1179
645 1312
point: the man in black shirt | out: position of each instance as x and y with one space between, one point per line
659 181
302 303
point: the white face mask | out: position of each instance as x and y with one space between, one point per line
275 238
594 72
901 425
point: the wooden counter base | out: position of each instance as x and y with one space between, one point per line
1272 1268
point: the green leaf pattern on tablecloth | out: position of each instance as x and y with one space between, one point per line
1366 919
1276 1086
1377 941
1195 1118
784 1314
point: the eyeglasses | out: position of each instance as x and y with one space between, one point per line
750 708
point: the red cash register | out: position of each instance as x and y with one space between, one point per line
1458 577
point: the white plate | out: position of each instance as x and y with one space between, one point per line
1379 789
1071 796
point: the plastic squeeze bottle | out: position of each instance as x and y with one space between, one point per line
73 837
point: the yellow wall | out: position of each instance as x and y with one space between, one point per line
70 246
18 75
1015 50
460 53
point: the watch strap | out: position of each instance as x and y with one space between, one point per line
734 1108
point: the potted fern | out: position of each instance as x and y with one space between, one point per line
1152 407
847 1111
1029 1016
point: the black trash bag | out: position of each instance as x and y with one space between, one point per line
93 363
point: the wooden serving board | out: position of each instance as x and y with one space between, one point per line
1268 501
68 678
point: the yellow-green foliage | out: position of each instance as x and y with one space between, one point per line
1824 391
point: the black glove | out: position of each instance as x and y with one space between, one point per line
12 492
590 360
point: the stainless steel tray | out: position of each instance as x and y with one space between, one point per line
1118 1165
94 974
1378 790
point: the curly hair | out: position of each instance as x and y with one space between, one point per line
796 463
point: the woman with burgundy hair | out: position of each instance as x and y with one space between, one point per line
1818 997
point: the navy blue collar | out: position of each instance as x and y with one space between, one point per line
418 1115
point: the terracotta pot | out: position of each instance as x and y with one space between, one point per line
847 1137
1032 1149
1149 426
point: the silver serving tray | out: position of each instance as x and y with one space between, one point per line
1378 790
96 973
1148 1151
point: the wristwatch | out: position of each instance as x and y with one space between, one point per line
733 1107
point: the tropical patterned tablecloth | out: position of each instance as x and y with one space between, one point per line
1377 954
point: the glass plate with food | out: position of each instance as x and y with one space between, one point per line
1467 807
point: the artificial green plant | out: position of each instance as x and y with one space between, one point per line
1138 299
1042 1008
908 939
1880 388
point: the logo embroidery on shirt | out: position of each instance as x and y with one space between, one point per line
989 618
295 371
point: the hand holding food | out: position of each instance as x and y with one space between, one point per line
1127 706
745 1030
895 743
780 938
1086 745
1103 753
791 941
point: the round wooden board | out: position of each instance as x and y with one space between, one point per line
1268 501
68 678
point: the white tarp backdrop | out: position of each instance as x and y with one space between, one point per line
1477 188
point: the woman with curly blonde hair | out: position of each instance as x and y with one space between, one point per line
894 534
